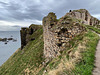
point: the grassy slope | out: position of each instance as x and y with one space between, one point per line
78 60
97 30
29 60
86 65
26 60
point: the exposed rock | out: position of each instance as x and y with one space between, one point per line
0 39
57 34
26 34
23 37
84 16
5 42
4 39
10 38
14 40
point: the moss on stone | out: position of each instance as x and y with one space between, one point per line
80 10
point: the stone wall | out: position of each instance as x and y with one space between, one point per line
58 33
26 34
84 16
23 37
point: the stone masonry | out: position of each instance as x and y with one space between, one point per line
84 16
58 33
26 34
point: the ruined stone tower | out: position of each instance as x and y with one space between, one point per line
58 33
50 47
84 16
26 34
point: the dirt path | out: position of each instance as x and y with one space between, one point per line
96 70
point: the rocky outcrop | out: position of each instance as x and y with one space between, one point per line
23 37
58 33
84 16
6 40
26 34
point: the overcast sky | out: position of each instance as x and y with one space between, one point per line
16 13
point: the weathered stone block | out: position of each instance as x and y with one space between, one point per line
26 34
56 37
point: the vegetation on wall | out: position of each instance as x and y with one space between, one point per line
77 58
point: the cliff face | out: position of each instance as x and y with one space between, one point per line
23 37
58 33
26 34
84 16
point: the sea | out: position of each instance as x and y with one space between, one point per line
6 50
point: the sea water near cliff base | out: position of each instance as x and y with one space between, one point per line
6 50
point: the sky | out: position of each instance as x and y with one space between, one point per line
15 14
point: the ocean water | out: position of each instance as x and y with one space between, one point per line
6 50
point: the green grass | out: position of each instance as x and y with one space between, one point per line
86 65
28 58
97 30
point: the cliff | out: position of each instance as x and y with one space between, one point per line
26 34
54 27
58 33
84 16
62 46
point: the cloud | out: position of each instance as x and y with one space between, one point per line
26 12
